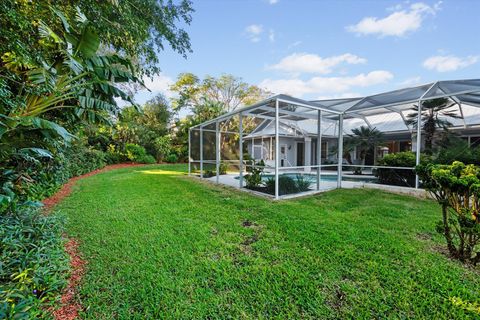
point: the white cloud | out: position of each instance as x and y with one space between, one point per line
340 96
272 1
398 23
312 63
254 31
326 86
410 81
294 44
271 35
449 63
159 84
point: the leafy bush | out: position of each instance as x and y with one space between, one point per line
398 177
32 263
455 149
113 156
223 168
42 178
134 151
147 159
457 189
163 145
254 178
171 158
303 183
286 185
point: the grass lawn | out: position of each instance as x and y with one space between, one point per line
162 245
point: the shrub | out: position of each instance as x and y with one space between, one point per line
113 156
223 168
32 263
456 187
163 146
286 185
147 159
254 178
134 151
171 158
303 183
398 177
43 178
455 149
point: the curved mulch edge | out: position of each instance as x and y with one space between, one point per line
69 305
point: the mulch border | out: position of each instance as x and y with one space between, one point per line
69 305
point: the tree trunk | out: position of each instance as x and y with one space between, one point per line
446 231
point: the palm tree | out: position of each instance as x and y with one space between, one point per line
365 139
433 116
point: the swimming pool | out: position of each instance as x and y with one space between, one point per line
312 177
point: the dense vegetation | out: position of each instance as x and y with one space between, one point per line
63 68
344 254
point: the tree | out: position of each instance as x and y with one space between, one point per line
227 90
74 84
209 98
435 114
138 29
365 139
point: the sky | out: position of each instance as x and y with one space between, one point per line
327 49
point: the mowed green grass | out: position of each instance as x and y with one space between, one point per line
161 245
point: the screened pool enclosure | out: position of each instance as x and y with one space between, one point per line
285 146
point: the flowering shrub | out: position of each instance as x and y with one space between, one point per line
457 188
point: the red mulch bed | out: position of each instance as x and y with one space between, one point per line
69 306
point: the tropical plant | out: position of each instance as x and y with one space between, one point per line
33 263
137 28
456 187
286 185
254 178
77 84
365 139
302 183
435 114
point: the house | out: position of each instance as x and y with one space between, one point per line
298 139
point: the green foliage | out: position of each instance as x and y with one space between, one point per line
227 92
254 178
136 153
365 140
171 158
32 263
302 183
452 148
457 188
435 114
209 98
137 28
399 177
287 185
163 146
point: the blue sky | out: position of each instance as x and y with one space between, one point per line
328 49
